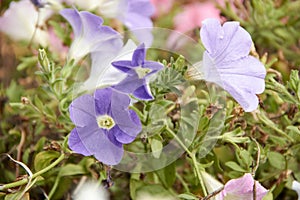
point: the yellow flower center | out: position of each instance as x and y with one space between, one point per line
142 72
105 122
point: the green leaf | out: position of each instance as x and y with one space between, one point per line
188 196
276 160
244 158
71 169
235 166
38 103
27 62
135 183
156 146
268 196
17 105
44 158
154 190
167 175
294 132
168 78
14 92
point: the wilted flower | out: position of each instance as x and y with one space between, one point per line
90 35
103 124
226 62
138 70
20 19
242 188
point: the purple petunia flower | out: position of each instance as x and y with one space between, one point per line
226 62
90 35
138 70
242 188
138 19
134 14
103 124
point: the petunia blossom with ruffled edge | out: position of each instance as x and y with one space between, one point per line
90 35
138 70
137 17
227 62
103 124
134 14
242 188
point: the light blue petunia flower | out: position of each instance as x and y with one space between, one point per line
227 62
103 124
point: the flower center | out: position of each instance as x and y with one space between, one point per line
105 122
142 72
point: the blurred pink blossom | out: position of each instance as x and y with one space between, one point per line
190 18
162 6
193 14
57 45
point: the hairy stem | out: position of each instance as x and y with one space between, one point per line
193 157
25 180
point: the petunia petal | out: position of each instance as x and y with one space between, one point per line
137 17
73 17
135 118
226 62
103 99
122 116
225 43
143 93
139 55
243 79
144 7
82 111
105 149
76 144
242 188
154 66
96 33
103 74
128 137
129 84
90 34
121 136
124 66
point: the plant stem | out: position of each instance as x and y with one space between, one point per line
184 184
25 180
194 160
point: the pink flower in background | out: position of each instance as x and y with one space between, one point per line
193 14
162 6
57 45
242 188
191 18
